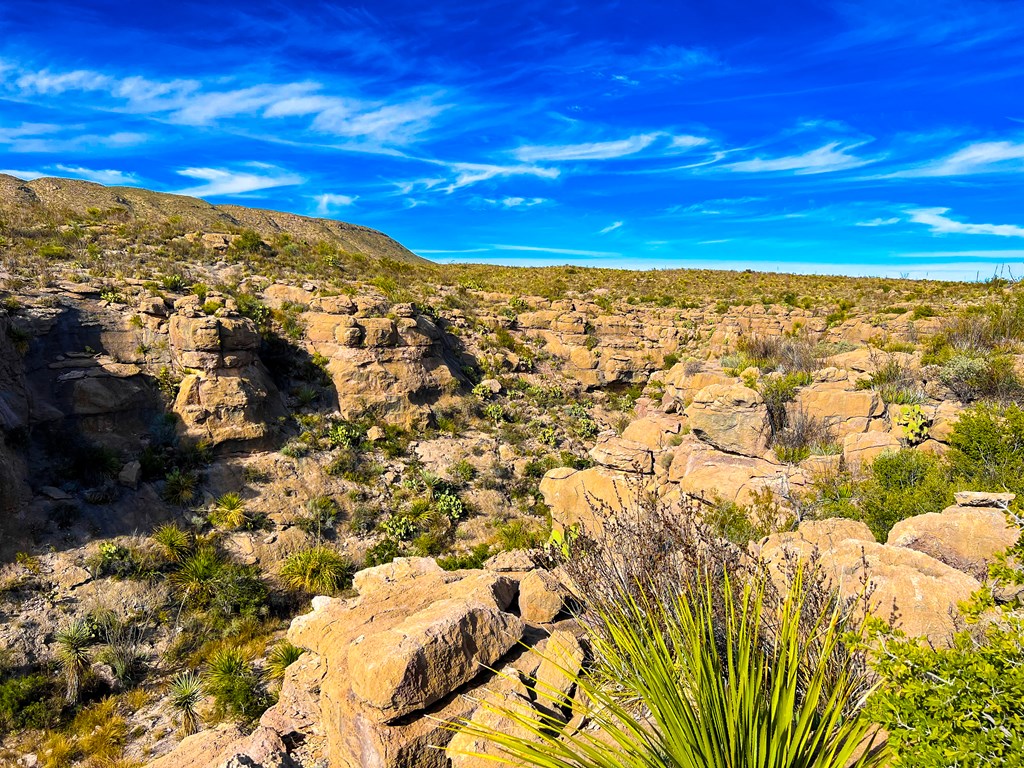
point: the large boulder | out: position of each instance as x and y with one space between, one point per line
390 663
730 417
918 593
541 597
230 406
701 470
967 538
846 412
864 447
587 497
623 454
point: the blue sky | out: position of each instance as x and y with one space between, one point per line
877 137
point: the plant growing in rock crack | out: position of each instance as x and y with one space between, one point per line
73 655
695 682
280 657
319 570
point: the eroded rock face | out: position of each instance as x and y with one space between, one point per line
923 592
964 537
230 397
731 417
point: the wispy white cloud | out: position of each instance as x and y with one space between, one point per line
879 222
329 202
610 228
941 224
100 176
47 138
517 202
978 158
595 150
24 175
467 174
224 182
825 159
397 120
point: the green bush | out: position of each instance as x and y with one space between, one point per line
902 484
473 559
957 706
987 448
236 686
28 701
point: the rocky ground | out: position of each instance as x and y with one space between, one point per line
264 417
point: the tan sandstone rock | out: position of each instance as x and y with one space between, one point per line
541 597
730 417
966 538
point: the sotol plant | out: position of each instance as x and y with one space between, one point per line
670 690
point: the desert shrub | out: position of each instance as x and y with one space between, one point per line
74 655
462 471
249 241
319 570
197 578
987 448
901 484
180 487
894 381
955 706
784 354
519 534
778 392
173 541
383 552
473 559
970 378
236 686
229 512
801 435
28 701
241 592
118 561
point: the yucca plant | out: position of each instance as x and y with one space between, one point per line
174 541
198 576
180 487
73 655
185 694
688 685
319 570
229 512
280 657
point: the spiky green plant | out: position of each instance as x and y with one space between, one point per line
282 656
229 512
695 685
180 487
73 655
186 692
319 570
174 541
198 576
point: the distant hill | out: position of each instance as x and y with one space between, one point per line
78 196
